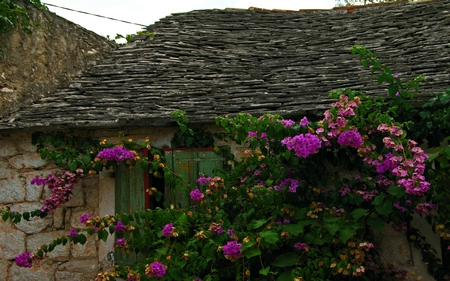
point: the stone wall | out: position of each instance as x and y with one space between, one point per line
19 163
36 64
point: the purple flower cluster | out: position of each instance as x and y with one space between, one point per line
168 230
202 180
197 195
287 123
61 185
117 154
301 246
72 233
24 260
216 228
232 249
120 242
292 185
425 208
155 269
304 122
119 227
85 217
303 144
350 138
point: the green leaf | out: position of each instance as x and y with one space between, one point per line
5 216
86 159
358 213
270 237
254 224
294 229
285 276
252 253
73 166
40 253
396 191
247 245
346 232
379 199
286 259
176 272
385 209
332 228
264 271
81 238
444 99
102 234
376 223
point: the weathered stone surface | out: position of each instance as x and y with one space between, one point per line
394 247
4 164
60 253
34 225
86 251
68 276
9 174
23 142
4 266
58 218
90 185
33 191
86 267
28 160
11 191
77 199
12 241
43 272
7 148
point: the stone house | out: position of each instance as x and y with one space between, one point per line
207 63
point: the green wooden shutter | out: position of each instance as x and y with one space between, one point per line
190 164
129 197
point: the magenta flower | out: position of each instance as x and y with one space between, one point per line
168 230
197 195
155 269
303 144
121 241
85 217
304 122
215 228
24 260
202 180
232 249
72 232
117 154
287 123
119 227
350 138
301 246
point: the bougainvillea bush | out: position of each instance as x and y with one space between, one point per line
304 203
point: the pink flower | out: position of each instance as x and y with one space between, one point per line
287 123
301 246
350 138
24 260
202 180
168 230
155 269
304 122
232 249
119 227
72 232
85 217
197 195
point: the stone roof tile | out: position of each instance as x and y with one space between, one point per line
213 62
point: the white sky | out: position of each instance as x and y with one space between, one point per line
147 12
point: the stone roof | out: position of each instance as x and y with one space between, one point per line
214 62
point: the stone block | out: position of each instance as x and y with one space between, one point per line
23 142
37 273
4 266
9 174
28 160
34 225
7 148
86 251
34 192
60 253
394 247
58 218
81 266
68 276
90 186
4 164
11 191
77 199
12 241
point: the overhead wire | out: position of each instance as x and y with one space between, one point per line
100 16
